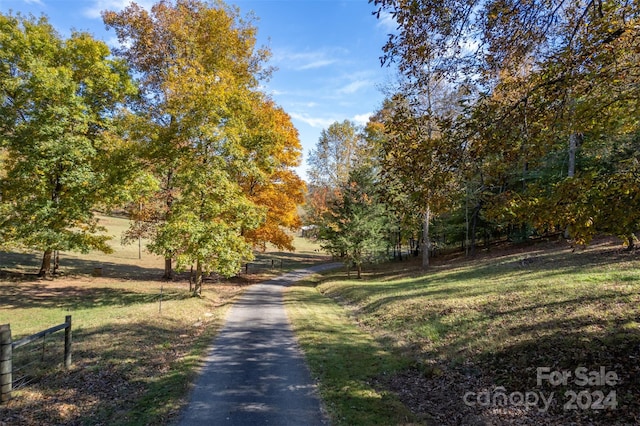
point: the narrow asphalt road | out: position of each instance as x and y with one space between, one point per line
255 373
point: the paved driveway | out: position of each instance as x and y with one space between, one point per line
255 373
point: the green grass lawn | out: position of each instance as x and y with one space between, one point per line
467 327
400 346
344 360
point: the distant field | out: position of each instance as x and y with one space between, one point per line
134 354
476 329
134 261
125 261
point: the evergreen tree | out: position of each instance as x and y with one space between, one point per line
355 225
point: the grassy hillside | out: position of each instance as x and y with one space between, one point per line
125 261
127 352
476 329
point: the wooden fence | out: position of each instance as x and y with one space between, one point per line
262 265
6 352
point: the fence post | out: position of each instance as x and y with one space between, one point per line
6 368
67 342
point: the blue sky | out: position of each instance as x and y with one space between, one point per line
326 53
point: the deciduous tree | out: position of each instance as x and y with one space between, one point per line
419 158
272 149
553 82
58 101
336 153
221 150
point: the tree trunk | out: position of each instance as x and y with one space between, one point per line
191 280
465 245
574 142
56 261
359 271
425 238
474 224
168 269
45 268
631 240
197 288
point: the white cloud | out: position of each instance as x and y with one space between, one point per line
316 122
38 2
302 104
362 119
98 6
301 61
354 86
316 64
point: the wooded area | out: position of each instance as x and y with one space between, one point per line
510 120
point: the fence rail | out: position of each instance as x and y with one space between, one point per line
7 345
264 264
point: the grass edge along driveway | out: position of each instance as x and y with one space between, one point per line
345 360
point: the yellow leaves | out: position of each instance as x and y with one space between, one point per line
270 147
199 62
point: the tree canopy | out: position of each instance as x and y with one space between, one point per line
510 119
541 100
354 225
59 100
172 125
221 151
339 149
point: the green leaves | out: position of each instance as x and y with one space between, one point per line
354 226
220 151
197 152
58 97
552 91
337 151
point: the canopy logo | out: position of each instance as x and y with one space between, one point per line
580 399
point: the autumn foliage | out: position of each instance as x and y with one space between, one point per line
518 119
172 125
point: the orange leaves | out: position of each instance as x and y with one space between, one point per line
271 141
281 196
